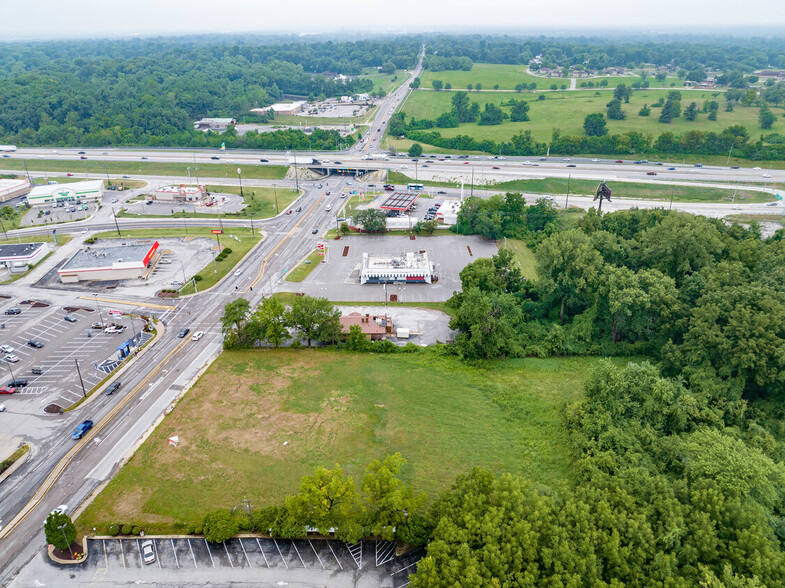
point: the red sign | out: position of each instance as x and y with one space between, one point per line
217 232
150 253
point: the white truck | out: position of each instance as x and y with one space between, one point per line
382 156
8 148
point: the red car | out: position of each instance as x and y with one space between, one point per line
289 211
7 390
651 173
465 163
69 174
496 167
619 161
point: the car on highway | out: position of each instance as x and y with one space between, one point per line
441 192
651 173
337 163
6 155
494 167
289 211
81 429
215 157
595 160
756 168
143 157
238 272
698 165
264 160
126 177
69 318
62 509
658 163
83 157
147 552
183 333
298 209
571 165
766 175
84 230
329 207
18 383
81 152
35 343
13 311
466 163
426 165
7 390
734 167
112 388
314 231
7 349
771 204
197 335
69 174
429 161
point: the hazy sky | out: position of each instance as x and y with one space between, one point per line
102 18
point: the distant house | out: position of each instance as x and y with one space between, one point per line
614 71
375 327
214 124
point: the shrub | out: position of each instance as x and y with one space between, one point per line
136 530
126 529
197 278
218 526
226 250
114 530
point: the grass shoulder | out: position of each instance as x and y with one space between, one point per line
304 269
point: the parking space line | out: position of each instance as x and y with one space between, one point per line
106 559
191 547
317 555
406 568
262 550
297 551
122 551
405 585
208 552
158 559
229 557
244 552
141 559
279 553
177 561
329 544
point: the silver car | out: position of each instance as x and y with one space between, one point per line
147 551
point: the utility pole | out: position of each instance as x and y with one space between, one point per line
108 181
240 178
3 226
471 188
250 516
729 153
275 192
673 188
27 173
567 200
296 179
98 307
114 214
84 393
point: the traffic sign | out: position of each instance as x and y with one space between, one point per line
217 232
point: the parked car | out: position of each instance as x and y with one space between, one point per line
7 349
112 388
18 383
11 358
13 311
147 552
96 326
35 343
183 333
197 335
69 318
81 429
37 371
2 406
7 390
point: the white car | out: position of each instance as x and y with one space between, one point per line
2 407
147 552
756 168
595 160
7 349
238 272
62 509
766 175
197 335
11 358
84 230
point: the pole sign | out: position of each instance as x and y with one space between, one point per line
217 232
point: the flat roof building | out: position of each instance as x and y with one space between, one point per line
12 188
448 212
283 108
214 124
400 201
75 192
409 268
181 193
18 257
123 262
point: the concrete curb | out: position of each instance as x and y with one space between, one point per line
67 562
160 331
16 465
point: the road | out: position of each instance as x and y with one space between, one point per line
62 471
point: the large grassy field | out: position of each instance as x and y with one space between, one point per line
566 111
257 421
206 170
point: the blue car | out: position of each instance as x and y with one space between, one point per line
81 429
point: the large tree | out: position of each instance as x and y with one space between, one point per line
53 532
315 319
594 125
489 324
270 321
234 321
372 220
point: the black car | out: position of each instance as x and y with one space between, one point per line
298 209
69 318
314 231
337 163
183 333
112 388
14 311
18 383
264 160
734 167
571 165
214 157
81 153
441 192
35 343
37 371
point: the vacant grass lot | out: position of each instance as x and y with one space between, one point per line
258 421
565 111
304 269
523 255
488 74
206 170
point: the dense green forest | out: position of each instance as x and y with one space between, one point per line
149 92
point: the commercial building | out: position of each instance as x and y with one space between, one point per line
448 212
18 257
375 327
180 193
214 124
77 192
409 268
399 202
283 108
124 262
12 188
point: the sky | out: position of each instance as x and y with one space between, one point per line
31 19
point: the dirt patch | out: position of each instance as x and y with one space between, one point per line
35 304
53 409
65 553
76 308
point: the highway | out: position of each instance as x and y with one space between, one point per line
61 471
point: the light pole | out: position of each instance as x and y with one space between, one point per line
182 267
98 307
240 178
62 528
114 214
189 175
133 327
8 365
250 516
84 393
275 192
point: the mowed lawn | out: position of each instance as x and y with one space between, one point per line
566 111
257 421
489 74
523 256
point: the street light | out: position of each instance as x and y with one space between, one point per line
8 365
240 177
62 528
98 307
275 191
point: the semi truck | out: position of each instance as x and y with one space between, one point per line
302 160
8 148
377 156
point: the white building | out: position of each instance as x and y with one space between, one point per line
409 268
214 124
12 188
124 262
76 192
18 257
448 212
283 108
181 193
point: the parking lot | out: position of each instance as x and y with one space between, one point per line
221 203
250 553
338 278
64 345
57 214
